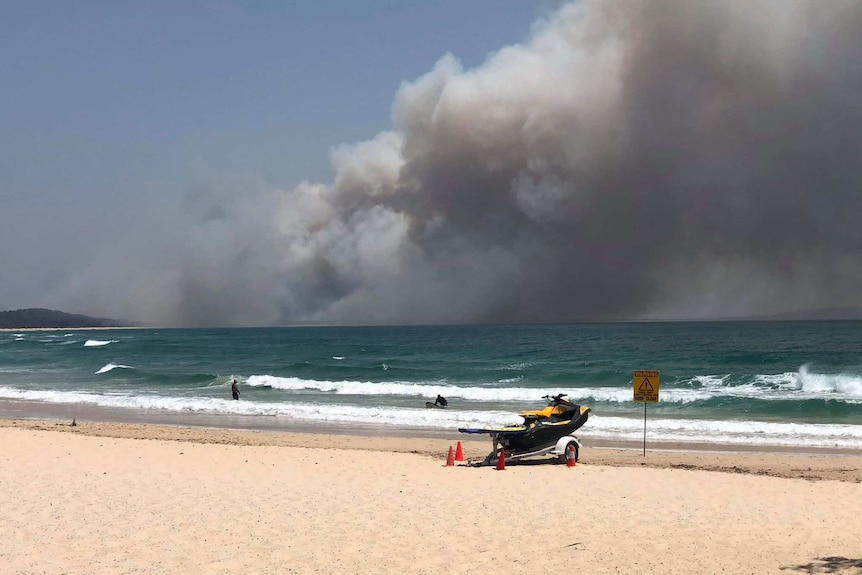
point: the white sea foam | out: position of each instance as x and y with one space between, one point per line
729 432
98 342
677 430
408 389
711 381
830 383
110 366
518 366
351 387
847 388
787 380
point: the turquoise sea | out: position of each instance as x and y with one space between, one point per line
737 383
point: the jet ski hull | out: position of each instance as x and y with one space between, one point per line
538 434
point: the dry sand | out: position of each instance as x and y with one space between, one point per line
125 498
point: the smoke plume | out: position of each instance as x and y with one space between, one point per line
631 159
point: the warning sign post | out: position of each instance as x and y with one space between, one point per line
646 385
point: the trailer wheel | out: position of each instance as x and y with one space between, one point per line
573 445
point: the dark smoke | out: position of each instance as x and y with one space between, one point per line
672 158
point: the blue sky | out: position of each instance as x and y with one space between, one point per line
102 95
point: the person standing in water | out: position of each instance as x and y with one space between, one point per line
234 389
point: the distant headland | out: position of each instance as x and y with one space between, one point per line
37 318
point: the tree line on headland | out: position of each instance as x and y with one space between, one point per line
48 318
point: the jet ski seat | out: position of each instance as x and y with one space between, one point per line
540 413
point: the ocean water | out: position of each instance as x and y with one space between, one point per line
736 383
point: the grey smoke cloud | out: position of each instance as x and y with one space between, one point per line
632 159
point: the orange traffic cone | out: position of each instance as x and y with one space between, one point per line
459 455
571 461
501 461
450 459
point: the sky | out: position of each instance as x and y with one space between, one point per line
224 163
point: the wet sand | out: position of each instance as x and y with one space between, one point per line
794 462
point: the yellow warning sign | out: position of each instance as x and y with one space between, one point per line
646 385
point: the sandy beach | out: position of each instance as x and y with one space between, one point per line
137 498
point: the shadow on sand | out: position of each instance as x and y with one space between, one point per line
522 462
842 565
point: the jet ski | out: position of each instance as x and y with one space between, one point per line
544 431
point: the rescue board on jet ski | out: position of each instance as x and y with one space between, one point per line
432 405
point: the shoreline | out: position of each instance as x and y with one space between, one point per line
32 409
776 461
96 327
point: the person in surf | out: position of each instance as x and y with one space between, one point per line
441 401
234 389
